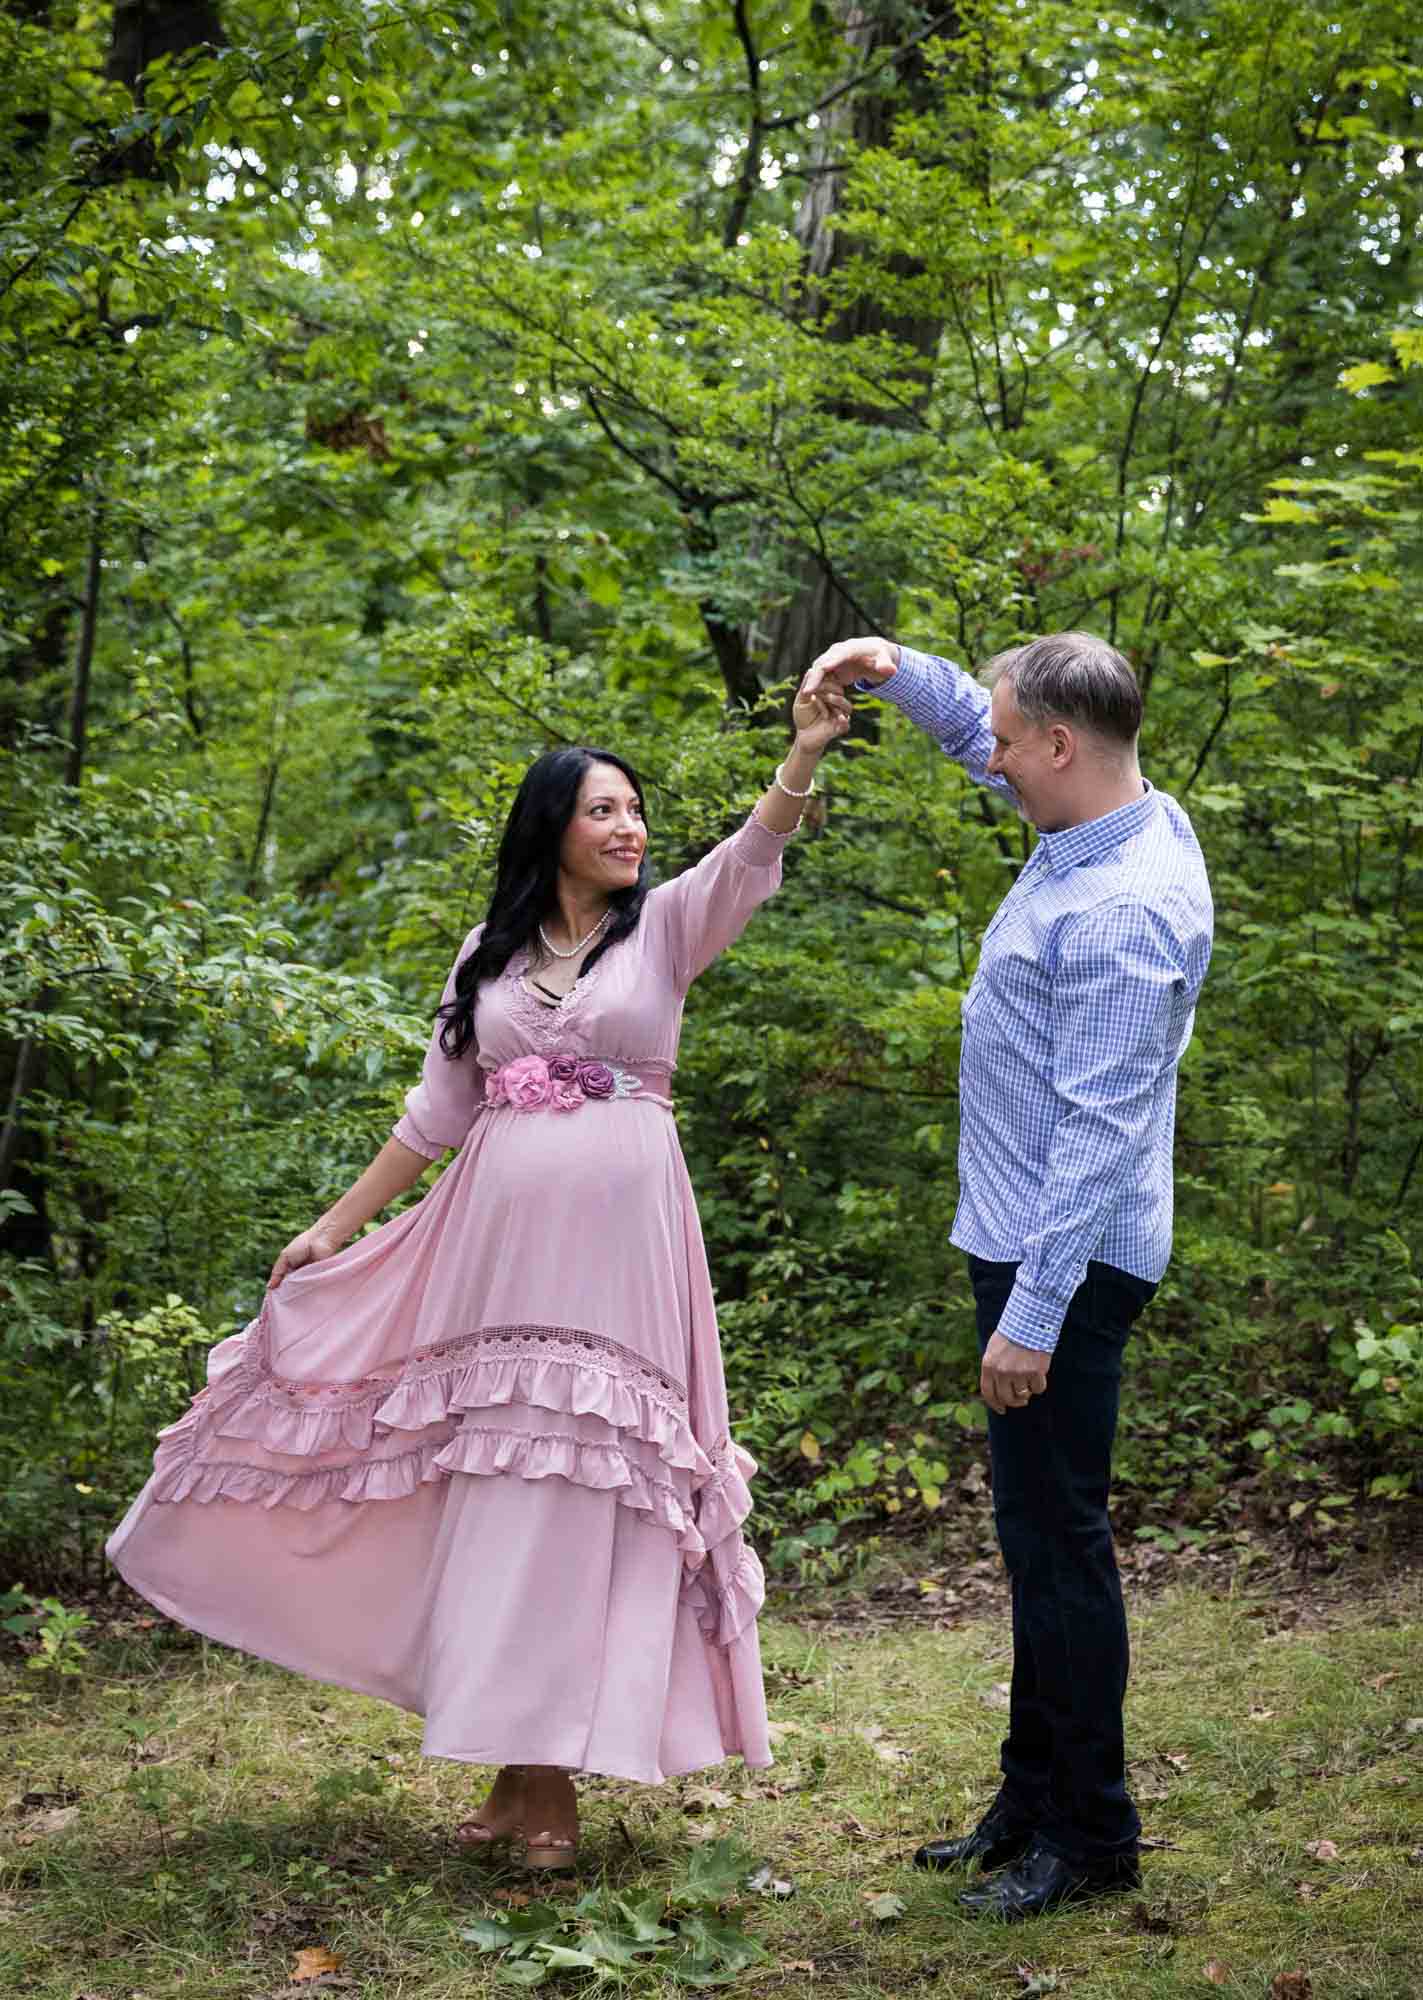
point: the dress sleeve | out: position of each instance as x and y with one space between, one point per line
440 1109
706 908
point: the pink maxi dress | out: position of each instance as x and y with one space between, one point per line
478 1463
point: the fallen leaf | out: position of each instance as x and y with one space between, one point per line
53 1820
1037 1982
312 1962
1262 1715
884 1907
1381 1681
1153 1923
854 1829
764 1882
517 1899
1321 1850
1215 1972
1291 1986
1306 1892
702 1833
776 1730
1000 1695
706 1798
1177 1759
798 1965
810 1447
884 1749
1413 1725
63 1795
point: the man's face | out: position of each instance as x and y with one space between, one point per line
1023 754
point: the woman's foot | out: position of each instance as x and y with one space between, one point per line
501 1818
550 1818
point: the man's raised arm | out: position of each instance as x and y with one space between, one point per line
941 698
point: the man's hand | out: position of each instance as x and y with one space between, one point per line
850 660
1011 1375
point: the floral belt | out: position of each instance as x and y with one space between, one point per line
567 1083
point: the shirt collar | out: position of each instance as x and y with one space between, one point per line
1079 846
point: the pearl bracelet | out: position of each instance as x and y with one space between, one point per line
782 786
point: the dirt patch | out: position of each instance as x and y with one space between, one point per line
1286 1578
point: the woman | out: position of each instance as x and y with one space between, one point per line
478 1463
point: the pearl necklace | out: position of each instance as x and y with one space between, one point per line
552 948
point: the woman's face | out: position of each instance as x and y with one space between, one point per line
604 841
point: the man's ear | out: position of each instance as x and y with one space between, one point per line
1064 745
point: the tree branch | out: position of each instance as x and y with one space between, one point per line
751 164
790 118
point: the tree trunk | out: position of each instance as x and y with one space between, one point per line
144 30
84 652
829 605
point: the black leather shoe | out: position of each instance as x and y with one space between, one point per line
1041 1881
995 1841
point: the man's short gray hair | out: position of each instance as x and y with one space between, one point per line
1072 677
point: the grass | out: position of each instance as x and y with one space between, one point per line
180 1821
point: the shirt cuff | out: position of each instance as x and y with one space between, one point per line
759 846
409 1134
1031 1320
911 677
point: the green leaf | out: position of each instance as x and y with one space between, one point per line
1364 375
716 1951
612 1947
713 1873
488 1934
644 1919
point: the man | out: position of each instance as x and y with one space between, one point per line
1072 1031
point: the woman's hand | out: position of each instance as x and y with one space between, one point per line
819 719
308 1248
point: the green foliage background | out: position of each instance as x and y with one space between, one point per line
392 391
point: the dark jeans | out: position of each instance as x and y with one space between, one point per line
1064 1760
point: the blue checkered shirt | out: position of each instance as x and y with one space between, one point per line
1074 1024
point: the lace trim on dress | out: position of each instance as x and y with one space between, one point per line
548 1027
561 1368
562 1343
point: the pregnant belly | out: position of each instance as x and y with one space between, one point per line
605 1155
578 1220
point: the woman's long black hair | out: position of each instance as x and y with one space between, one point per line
526 881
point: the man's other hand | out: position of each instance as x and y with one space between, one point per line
1011 1375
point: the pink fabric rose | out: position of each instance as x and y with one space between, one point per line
527 1086
596 1079
566 1094
494 1088
564 1069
